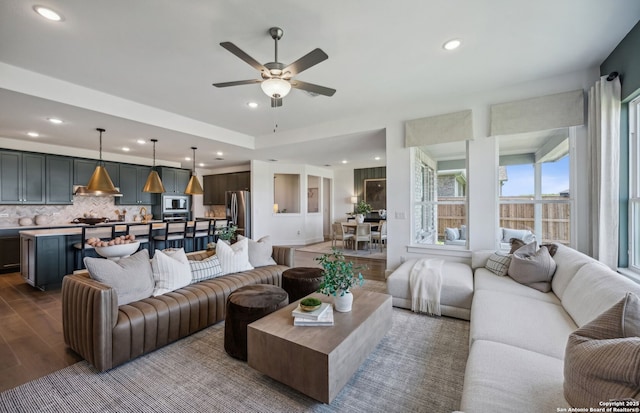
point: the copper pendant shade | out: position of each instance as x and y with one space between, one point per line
153 184
100 182
193 187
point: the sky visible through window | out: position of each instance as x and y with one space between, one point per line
555 178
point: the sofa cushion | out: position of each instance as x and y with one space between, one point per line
499 375
234 258
516 244
601 361
520 321
498 263
260 251
452 234
130 277
486 280
533 267
171 270
205 269
523 234
594 289
568 262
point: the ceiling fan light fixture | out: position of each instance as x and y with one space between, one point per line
276 88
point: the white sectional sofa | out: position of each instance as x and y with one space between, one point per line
518 334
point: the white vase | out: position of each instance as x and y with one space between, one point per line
359 218
342 303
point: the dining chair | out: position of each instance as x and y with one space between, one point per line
380 236
199 234
340 234
173 234
104 232
219 225
363 234
143 233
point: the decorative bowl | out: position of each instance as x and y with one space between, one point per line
115 252
310 304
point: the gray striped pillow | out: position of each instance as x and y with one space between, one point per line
498 263
601 358
205 269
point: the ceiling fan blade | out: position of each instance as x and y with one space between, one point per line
310 87
310 59
237 83
242 55
276 102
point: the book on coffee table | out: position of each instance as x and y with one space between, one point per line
310 315
325 319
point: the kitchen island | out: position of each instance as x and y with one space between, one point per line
48 254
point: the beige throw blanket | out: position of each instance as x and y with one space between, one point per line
425 280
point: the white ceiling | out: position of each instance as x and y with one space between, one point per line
144 68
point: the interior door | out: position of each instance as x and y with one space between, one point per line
326 208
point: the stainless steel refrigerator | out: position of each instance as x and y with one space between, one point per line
238 204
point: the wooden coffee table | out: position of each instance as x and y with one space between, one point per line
319 361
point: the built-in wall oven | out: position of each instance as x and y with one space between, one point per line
175 207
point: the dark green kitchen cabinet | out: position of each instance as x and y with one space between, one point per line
215 186
132 180
22 178
44 261
59 180
175 180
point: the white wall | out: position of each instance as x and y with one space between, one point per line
291 228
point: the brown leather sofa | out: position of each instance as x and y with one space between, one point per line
108 335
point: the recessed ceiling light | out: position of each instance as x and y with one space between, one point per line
377 158
33 134
344 161
54 120
141 141
219 153
48 14
201 164
186 158
252 105
126 148
452 44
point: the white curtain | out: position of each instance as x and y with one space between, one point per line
604 147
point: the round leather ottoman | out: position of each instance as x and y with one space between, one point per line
244 306
301 281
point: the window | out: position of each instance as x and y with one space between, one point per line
534 187
634 185
440 194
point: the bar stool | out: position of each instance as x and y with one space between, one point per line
143 233
218 225
174 234
104 232
200 234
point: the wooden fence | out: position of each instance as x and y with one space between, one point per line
556 217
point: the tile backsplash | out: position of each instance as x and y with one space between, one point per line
63 214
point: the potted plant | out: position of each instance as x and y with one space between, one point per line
339 277
227 233
362 208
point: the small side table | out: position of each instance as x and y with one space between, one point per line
299 282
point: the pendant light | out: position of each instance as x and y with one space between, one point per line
100 182
193 187
153 184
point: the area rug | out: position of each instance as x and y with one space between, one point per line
417 367
325 247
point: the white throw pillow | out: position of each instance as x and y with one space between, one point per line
234 258
452 234
171 270
260 251
130 276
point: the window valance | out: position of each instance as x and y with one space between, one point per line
450 127
556 111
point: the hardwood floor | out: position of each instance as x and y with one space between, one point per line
31 337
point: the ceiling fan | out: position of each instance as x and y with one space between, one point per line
277 79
